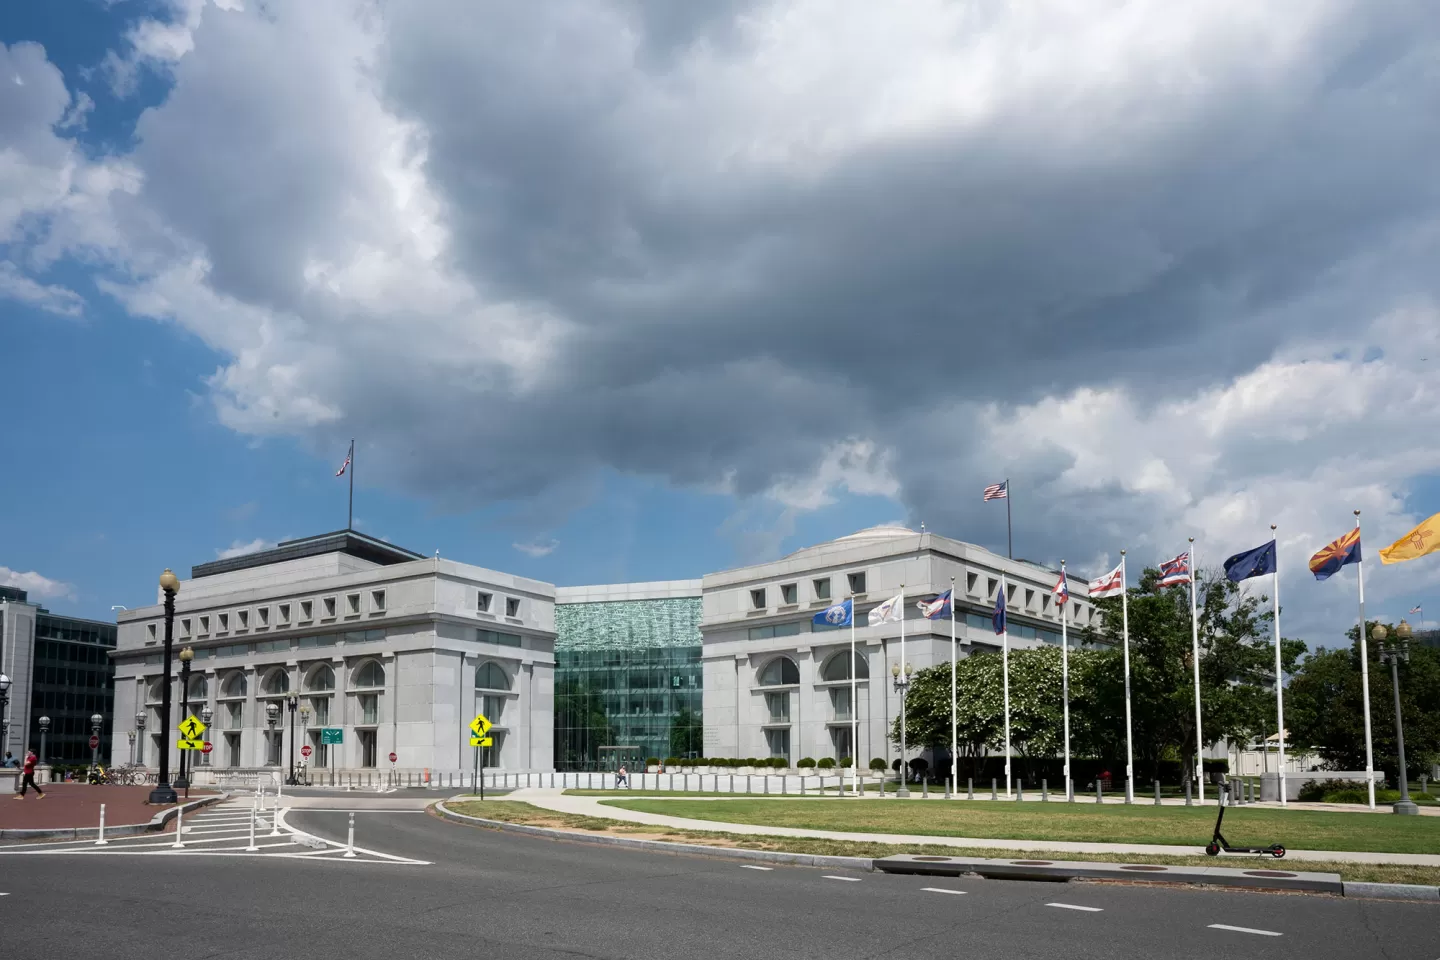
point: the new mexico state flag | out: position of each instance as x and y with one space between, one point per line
1418 542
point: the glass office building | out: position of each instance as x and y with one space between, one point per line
627 679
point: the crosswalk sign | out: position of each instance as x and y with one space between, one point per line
480 726
193 729
482 741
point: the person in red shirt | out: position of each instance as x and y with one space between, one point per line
29 778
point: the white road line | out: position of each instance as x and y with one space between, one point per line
846 879
751 866
1076 906
942 890
1262 933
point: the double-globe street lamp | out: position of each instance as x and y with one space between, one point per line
1394 651
140 738
272 713
182 782
291 702
96 722
4 708
902 685
164 793
130 735
44 729
206 715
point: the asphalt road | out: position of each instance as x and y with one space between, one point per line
494 895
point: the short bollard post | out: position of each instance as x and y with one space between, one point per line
100 841
993 794
785 785
766 778
1099 791
179 843
275 820
882 786
1188 800
969 788
747 784
925 789
1019 791
948 782
350 839
1157 793
254 813
1044 789
732 783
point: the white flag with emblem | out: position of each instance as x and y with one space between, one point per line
888 612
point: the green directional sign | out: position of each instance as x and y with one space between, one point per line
332 735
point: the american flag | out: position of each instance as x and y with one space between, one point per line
1416 609
346 465
997 491
1175 571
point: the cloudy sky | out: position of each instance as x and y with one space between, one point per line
632 289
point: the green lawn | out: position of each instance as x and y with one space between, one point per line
1140 823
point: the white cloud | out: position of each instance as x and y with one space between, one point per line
239 549
35 585
536 549
854 466
53 298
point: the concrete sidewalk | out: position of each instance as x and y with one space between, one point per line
554 799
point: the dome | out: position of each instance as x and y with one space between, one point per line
885 531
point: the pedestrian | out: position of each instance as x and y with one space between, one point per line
29 778
9 760
622 779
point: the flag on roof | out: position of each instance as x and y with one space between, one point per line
1330 558
997 491
1175 571
349 455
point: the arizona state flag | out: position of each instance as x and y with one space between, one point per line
1418 542
1331 557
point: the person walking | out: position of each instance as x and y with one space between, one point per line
29 778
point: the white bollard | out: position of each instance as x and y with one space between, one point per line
275 819
179 843
350 840
101 841
254 813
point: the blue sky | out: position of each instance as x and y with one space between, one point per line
618 294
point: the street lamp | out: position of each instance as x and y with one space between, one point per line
140 738
44 729
304 721
182 782
272 713
164 793
130 735
96 722
902 684
1394 652
206 715
4 705
292 702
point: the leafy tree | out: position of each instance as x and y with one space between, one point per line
687 733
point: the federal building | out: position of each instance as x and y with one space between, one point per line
367 649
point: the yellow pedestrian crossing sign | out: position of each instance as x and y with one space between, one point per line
193 729
480 726
482 741
190 744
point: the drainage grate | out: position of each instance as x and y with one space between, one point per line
934 859
1267 873
1145 867
1033 863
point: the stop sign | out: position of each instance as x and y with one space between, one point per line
305 750
208 747
393 758
94 741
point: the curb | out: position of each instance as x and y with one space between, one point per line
1392 891
153 825
664 846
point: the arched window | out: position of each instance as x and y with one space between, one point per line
370 674
780 671
276 682
234 685
838 667
198 688
490 676
321 678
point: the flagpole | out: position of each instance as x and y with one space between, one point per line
1125 620
1195 657
350 516
954 740
1365 674
1005 666
1009 534
854 709
1065 675
1279 679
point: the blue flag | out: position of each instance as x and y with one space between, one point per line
937 608
838 615
1252 563
997 619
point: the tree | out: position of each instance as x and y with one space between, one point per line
687 734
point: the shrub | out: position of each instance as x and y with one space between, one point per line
1314 791
652 761
672 761
826 763
806 763
846 763
779 763
876 763
919 765
750 762
1215 766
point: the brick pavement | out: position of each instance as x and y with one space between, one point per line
78 805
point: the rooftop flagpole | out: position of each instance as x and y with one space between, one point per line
350 514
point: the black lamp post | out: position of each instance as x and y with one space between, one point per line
130 734
291 703
4 714
272 713
164 793
182 782
902 684
44 729
305 727
1394 652
206 715
140 738
96 722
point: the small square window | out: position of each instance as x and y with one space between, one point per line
1010 593
482 602
377 601
222 622
970 580
857 582
993 584
282 613
185 627
328 607
757 599
789 593
307 610
822 588
352 604
204 626
262 617
512 606
1045 602
150 632
1029 597
242 619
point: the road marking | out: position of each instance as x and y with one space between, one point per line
846 879
1263 933
1076 906
751 866
942 890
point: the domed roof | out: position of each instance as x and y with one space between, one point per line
885 531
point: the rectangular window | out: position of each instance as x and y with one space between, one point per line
307 610
242 620
185 627
991 586
971 579
840 702
779 743
512 607
282 614
323 640
482 602
352 604
1044 603
840 742
757 599
821 588
367 747
789 593
369 704
494 636
1029 598
493 707
222 622
377 601
857 582
233 714
1010 593
149 633
320 711
327 607
262 617
777 706
204 626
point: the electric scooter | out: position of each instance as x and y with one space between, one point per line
1218 842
